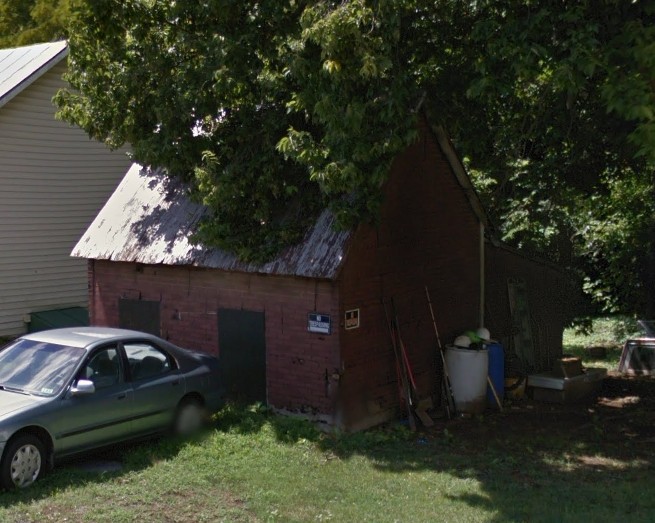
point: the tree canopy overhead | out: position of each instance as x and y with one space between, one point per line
24 22
272 110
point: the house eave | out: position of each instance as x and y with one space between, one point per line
20 86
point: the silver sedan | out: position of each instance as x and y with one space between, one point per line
67 391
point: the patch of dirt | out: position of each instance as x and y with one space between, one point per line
618 423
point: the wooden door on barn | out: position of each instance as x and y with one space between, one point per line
139 315
242 351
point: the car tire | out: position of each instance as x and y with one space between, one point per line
23 462
190 417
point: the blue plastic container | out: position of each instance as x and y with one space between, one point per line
496 373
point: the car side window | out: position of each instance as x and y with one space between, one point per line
146 360
103 368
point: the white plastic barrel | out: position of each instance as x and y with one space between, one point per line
468 377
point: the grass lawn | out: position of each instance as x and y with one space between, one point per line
253 466
608 334
536 463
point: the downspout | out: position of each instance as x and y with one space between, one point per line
91 282
482 276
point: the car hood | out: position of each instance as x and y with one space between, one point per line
11 402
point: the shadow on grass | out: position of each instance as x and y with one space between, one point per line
532 462
108 463
610 359
101 466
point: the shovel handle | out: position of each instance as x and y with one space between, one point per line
493 390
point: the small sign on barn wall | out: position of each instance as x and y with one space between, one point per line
319 323
351 319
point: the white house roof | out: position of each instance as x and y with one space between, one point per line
20 66
150 219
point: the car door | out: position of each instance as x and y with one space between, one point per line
157 384
102 417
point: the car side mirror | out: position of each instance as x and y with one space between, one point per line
83 388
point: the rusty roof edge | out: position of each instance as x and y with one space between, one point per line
147 221
460 173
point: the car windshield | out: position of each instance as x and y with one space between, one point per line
37 367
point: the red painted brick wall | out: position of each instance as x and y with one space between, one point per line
297 361
428 235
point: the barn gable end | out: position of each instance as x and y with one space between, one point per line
428 235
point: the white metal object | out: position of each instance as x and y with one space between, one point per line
468 375
483 334
25 465
462 341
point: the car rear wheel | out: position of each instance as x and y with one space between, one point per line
23 462
189 417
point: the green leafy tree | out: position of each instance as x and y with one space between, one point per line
24 22
566 99
272 110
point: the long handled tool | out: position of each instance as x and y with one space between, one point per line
446 383
401 369
495 393
419 406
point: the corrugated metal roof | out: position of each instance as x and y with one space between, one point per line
20 66
149 219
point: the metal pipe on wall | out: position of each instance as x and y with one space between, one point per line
482 275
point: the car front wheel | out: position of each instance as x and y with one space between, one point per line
23 462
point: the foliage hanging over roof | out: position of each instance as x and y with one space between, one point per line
270 110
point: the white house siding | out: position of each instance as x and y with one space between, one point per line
53 181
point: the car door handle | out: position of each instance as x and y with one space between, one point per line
121 396
176 382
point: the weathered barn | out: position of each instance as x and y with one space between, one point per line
53 182
307 331
529 303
